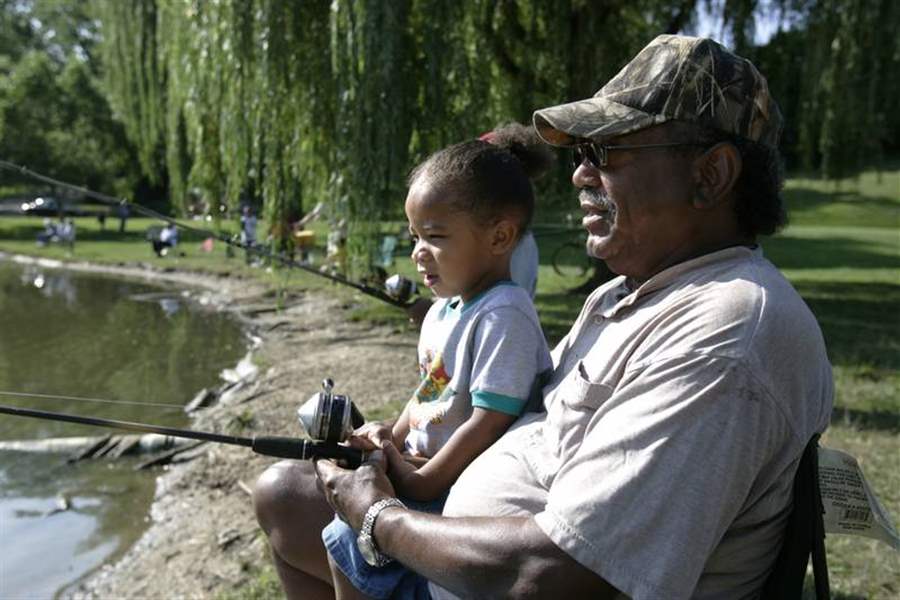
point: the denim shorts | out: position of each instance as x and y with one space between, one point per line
390 581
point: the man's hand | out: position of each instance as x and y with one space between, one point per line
351 493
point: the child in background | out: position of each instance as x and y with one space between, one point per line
523 265
481 348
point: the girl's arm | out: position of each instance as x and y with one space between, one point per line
401 428
434 478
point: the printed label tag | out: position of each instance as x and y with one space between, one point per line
850 504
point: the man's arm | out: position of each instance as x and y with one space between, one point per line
477 556
486 557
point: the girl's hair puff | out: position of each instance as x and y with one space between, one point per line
489 178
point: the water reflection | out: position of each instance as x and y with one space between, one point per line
87 336
170 306
58 284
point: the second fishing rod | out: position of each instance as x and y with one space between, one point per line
398 291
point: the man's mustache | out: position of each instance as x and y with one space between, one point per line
596 198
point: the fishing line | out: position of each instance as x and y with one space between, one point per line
169 406
226 239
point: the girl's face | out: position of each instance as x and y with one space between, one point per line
454 254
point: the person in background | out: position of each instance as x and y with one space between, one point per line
167 240
336 248
248 231
303 239
123 213
66 232
248 226
48 234
537 160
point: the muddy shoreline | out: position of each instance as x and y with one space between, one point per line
202 539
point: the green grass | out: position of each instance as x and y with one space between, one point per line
841 252
870 200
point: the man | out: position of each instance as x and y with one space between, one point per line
681 400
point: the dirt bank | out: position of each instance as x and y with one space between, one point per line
202 537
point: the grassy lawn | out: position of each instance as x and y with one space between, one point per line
841 252
109 246
870 200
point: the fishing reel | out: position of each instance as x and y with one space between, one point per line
399 287
328 417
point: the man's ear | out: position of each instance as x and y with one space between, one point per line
716 173
504 236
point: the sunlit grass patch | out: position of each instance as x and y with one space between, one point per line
871 200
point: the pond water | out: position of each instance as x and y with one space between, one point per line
88 336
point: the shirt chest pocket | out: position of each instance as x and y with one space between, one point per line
578 393
575 402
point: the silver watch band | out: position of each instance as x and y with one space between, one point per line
368 525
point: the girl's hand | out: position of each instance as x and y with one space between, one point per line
371 436
401 473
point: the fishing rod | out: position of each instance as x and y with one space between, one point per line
400 292
328 419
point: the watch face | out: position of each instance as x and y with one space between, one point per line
367 548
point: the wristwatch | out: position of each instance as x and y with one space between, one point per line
366 540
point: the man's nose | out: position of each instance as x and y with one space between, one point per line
586 176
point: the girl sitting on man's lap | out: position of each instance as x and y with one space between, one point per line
481 348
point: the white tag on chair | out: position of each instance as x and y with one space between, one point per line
850 504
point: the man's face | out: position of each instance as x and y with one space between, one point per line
637 209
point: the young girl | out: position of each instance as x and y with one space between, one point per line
481 348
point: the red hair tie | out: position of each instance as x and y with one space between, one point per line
488 137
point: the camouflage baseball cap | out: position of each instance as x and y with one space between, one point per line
673 78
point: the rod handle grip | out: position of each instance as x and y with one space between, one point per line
285 447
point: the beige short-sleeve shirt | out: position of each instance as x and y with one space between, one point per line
676 416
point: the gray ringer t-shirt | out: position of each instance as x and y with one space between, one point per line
486 353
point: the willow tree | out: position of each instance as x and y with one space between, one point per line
834 66
132 76
848 118
285 104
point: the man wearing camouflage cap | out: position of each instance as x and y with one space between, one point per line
681 400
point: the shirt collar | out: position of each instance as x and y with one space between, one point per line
456 306
622 294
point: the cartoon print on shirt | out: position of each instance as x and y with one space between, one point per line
425 407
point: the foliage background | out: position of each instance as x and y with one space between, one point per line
205 105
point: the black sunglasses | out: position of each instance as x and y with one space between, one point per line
597 154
